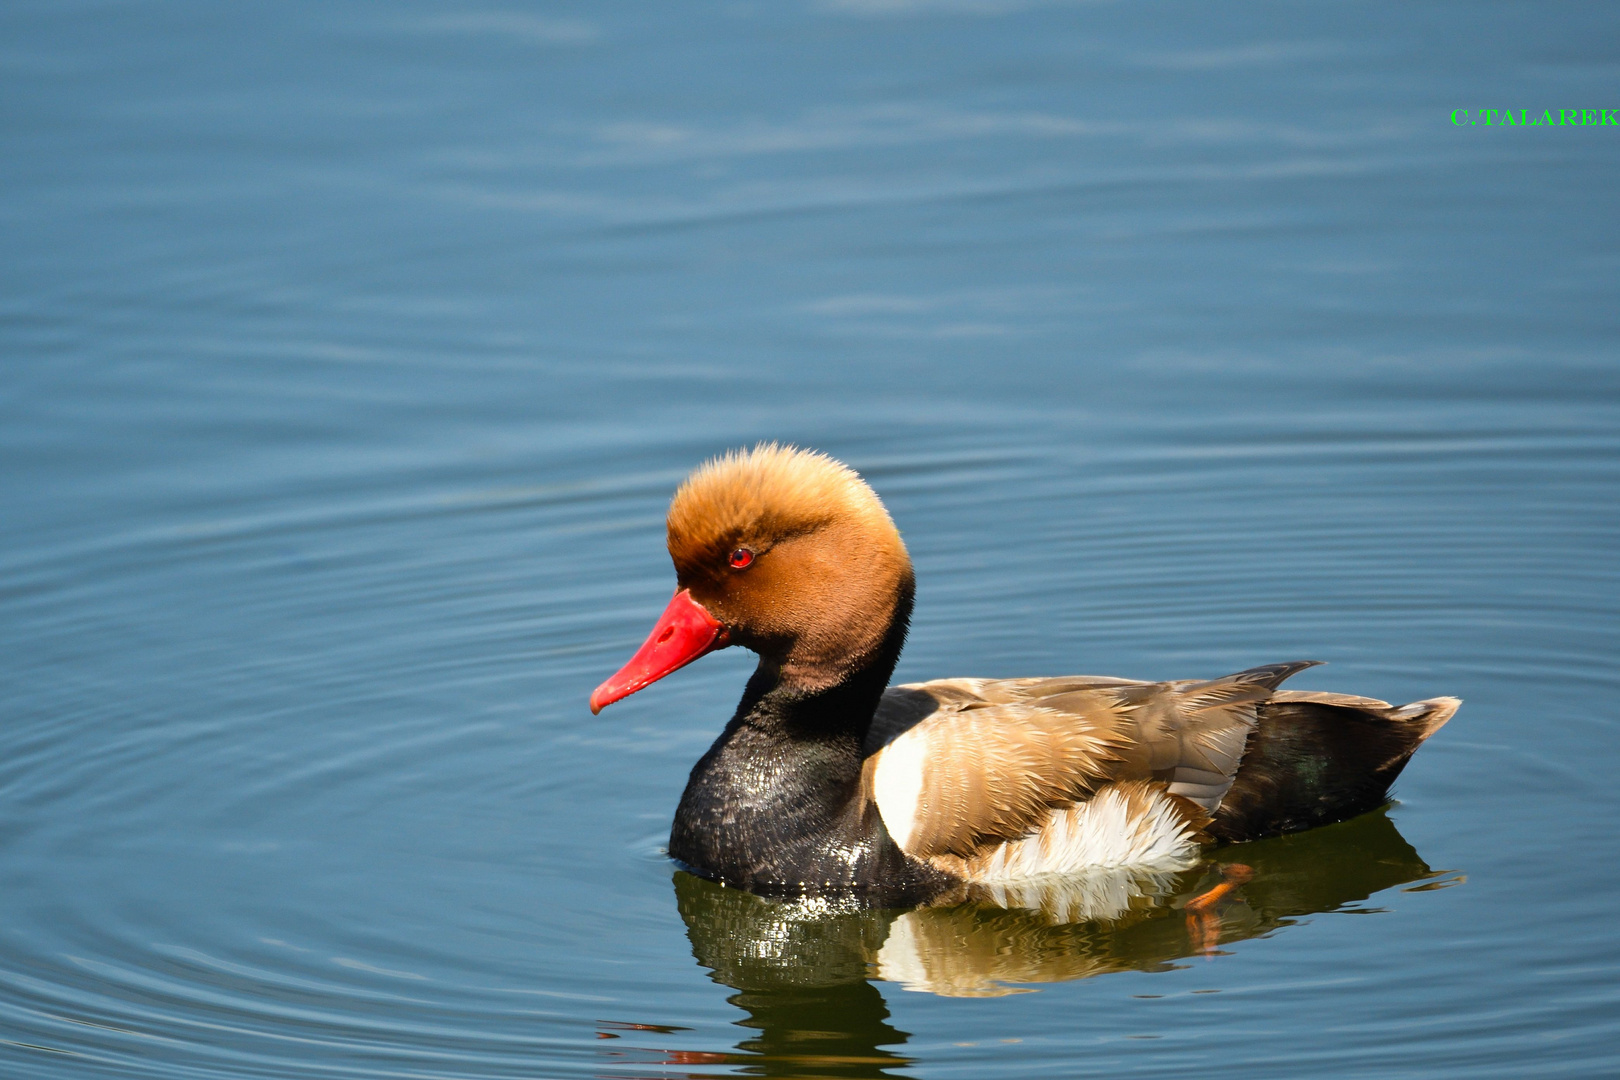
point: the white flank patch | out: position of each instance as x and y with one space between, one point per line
1102 893
897 785
1100 832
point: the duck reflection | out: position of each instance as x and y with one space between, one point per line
804 969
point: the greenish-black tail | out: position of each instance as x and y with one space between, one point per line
1316 758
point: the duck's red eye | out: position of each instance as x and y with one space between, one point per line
741 558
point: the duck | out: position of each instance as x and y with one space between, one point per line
828 781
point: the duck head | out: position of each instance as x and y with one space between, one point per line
783 551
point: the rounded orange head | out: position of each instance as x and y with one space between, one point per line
780 550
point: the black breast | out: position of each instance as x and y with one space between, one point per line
780 813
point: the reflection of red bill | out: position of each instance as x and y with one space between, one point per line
684 632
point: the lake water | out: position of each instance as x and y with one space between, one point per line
350 352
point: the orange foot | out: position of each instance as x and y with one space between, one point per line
1203 923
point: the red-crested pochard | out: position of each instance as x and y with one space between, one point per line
827 778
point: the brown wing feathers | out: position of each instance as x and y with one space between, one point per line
976 762
1216 720
991 771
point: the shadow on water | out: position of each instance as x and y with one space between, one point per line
804 970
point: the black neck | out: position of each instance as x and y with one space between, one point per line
775 804
841 711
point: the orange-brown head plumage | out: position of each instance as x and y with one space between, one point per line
828 567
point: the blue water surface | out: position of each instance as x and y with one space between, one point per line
350 352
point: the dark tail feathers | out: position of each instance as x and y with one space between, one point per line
1316 758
